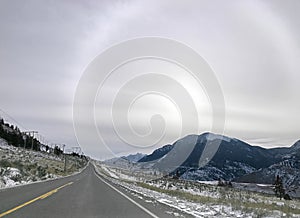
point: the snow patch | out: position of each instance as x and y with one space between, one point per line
212 137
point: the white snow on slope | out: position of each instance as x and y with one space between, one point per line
211 208
211 137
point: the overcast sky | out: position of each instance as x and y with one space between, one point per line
252 46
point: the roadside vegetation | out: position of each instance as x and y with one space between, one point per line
21 166
22 162
205 199
260 204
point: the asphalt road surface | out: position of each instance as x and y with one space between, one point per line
82 195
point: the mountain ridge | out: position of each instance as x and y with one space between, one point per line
233 159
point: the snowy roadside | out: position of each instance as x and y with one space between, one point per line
16 184
203 200
20 166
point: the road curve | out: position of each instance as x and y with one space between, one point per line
82 195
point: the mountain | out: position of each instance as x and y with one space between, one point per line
124 161
233 158
134 157
288 167
157 154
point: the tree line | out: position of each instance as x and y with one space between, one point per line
16 138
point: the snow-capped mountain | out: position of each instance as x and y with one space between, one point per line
233 158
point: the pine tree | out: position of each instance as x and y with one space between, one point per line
57 150
278 187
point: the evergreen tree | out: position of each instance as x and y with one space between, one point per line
57 150
278 187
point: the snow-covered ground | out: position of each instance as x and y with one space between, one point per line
202 199
22 166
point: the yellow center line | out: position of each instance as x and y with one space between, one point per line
35 199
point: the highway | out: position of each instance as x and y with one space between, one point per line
82 195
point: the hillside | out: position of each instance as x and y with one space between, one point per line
35 162
22 166
234 160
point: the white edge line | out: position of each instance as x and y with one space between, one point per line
128 198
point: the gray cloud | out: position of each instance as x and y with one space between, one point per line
253 47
